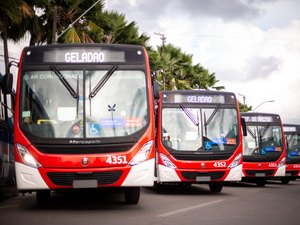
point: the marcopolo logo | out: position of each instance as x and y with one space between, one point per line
78 142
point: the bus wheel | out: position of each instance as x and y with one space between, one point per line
43 197
261 182
215 187
132 195
285 180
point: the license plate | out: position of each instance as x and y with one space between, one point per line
260 174
202 179
85 183
288 174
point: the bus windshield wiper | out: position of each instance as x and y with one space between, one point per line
103 80
190 115
212 116
251 133
64 81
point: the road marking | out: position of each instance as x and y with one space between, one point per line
189 208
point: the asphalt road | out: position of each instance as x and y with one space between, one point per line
238 203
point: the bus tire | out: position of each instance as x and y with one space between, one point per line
285 180
216 187
43 197
132 195
261 182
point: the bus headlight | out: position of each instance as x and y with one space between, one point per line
282 163
142 154
27 158
237 161
167 161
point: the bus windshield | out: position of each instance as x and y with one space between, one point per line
58 103
200 129
263 140
293 144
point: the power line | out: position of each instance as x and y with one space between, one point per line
238 37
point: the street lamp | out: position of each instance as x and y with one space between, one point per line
262 104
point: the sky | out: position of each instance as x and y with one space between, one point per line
252 46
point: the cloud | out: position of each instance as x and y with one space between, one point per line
227 10
262 67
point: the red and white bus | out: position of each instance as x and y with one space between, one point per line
292 137
84 118
264 151
199 138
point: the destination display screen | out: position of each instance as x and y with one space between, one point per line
83 54
259 119
289 129
198 97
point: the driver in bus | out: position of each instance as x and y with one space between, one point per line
167 141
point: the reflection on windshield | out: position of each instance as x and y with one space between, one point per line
293 145
262 140
217 129
49 110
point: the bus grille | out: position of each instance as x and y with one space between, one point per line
253 172
66 179
262 158
293 160
192 175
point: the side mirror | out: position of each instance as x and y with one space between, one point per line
156 90
7 83
244 127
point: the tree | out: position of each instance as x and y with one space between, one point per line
60 14
244 107
11 13
174 70
114 29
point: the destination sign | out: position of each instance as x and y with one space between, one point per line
198 98
259 119
89 54
289 129
80 55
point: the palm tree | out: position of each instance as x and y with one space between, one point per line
174 70
114 29
11 13
82 26
244 107
57 16
201 79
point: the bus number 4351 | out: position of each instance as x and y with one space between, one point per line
116 159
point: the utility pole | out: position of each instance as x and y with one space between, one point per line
54 25
244 99
163 39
